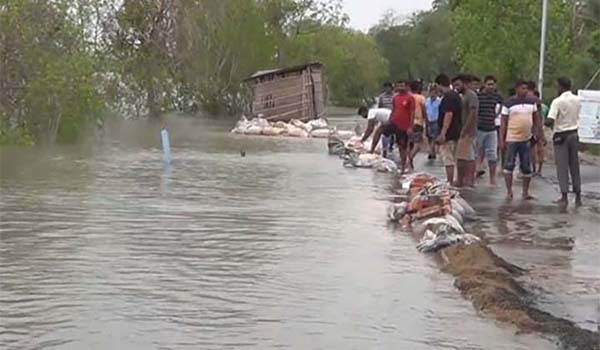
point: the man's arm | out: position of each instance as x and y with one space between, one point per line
447 121
413 108
471 120
369 131
552 115
503 129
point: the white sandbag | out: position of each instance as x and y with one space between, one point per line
320 133
271 131
345 134
253 130
385 166
260 122
241 126
297 123
318 124
294 131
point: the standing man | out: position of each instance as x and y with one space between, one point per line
490 103
416 138
432 106
386 97
375 118
465 148
519 117
401 122
475 84
385 101
450 125
564 118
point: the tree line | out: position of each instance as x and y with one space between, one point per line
67 64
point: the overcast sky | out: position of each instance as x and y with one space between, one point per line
365 13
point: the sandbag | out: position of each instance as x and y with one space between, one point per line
320 133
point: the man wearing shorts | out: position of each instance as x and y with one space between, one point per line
465 147
519 117
490 103
401 122
376 117
449 123
416 138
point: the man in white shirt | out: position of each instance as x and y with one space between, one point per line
564 118
375 117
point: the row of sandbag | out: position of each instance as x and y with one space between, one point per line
356 154
295 128
434 210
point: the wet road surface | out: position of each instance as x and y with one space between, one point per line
103 247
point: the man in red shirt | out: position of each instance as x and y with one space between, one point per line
400 123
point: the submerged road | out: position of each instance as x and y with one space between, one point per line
102 247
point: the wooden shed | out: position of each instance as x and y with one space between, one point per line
288 93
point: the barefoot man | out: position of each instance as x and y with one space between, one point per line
519 117
401 122
450 125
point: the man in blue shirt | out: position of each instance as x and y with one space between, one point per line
432 105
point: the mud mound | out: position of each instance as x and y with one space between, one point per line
490 283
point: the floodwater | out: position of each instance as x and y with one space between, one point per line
102 247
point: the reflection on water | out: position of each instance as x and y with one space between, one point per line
105 248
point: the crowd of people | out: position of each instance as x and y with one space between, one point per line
467 123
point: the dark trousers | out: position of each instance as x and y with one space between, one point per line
567 160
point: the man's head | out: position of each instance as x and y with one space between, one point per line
443 82
489 84
434 91
401 86
475 83
531 87
363 111
564 84
415 87
521 88
388 87
461 82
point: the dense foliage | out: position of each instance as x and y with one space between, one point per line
66 64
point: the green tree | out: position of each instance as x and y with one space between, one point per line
506 39
353 63
47 82
420 47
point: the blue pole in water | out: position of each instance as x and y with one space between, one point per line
164 136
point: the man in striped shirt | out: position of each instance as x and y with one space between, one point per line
519 117
490 103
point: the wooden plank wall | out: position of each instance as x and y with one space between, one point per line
293 95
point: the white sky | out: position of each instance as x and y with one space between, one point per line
365 13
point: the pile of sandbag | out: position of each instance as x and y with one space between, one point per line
337 145
295 128
433 209
370 161
356 154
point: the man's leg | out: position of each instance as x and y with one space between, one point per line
525 162
385 145
573 144
561 157
402 142
447 154
509 167
532 155
491 147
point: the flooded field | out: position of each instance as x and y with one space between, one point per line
103 247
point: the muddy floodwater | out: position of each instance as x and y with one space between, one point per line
102 247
